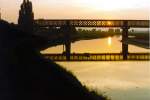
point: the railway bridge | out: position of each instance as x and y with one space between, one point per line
27 23
68 25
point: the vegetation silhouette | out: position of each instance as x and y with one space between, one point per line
26 75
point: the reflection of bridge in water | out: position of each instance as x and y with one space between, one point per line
99 57
27 23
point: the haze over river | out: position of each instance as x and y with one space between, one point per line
128 80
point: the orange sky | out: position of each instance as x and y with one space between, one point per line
85 9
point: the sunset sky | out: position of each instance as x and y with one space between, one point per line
75 9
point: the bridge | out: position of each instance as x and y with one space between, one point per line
99 57
69 24
27 22
92 23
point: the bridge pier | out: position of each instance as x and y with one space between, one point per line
124 40
68 49
68 30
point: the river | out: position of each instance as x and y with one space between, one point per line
129 80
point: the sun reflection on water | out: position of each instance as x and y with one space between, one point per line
109 41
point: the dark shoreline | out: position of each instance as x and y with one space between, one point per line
139 43
27 75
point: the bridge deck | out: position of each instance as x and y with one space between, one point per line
99 57
92 23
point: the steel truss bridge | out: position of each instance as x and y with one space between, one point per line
92 23
99 57
67 25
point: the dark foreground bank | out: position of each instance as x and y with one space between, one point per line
26 75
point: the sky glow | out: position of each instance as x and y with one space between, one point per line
79 9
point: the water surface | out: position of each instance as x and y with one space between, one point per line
129 80
119 80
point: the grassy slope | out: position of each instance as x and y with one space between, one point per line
50 80
26 75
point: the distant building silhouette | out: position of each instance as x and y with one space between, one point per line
26 17
0 14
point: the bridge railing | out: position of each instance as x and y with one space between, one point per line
93 23
99 57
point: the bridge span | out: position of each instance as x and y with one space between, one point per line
28 24
99 57
91 23
67 26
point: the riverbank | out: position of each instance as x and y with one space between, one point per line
27 75
138 42
138 39
76 37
